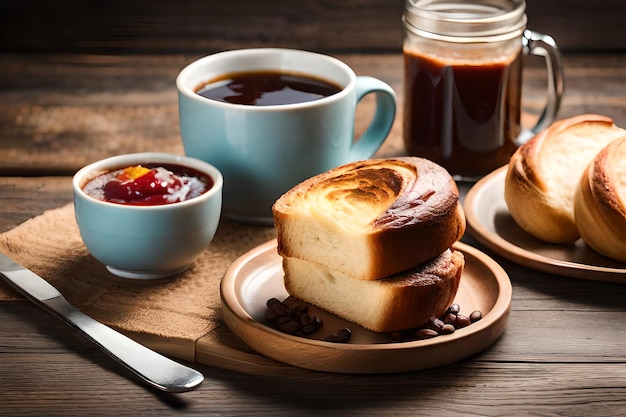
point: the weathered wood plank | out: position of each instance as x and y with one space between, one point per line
23 198
59 373
58 113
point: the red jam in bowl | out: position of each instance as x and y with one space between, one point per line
149 185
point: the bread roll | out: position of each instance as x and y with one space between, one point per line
543 174
371 219
403 301
600 202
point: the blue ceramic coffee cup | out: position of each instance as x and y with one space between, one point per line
265 150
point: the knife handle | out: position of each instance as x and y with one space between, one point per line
152 367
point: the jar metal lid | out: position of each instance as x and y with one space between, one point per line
470 19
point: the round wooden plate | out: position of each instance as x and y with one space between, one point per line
257 276
490 223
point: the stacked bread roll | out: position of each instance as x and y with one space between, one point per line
370 242
569 182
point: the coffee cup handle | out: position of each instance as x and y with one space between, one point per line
538 44
380 126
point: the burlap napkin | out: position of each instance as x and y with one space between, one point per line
169 316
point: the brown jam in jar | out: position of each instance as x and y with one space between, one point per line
463 82
464 116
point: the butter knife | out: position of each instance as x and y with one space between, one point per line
153 368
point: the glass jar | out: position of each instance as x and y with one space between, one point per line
463 65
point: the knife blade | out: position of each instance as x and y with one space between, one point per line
151 367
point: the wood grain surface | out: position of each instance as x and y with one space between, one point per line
562 353
97 106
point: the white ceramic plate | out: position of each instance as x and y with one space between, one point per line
257 276
490 223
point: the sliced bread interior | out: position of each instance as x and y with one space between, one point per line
402 301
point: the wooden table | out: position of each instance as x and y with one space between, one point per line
563 352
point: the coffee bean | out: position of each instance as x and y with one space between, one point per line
300 309
434 324
475 316
461 321
283 320
426 333
276 306
293 318
447 329
448 323
271 315
309 328
290 327
454 309
342 336
450 318
305 320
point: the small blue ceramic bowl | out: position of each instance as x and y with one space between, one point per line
153 241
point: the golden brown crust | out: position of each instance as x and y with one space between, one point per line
525 164
424 292
538 203
398 212
600 206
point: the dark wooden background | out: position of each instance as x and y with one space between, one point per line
84 79
204 26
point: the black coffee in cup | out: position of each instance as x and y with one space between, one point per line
266 88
